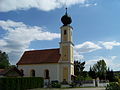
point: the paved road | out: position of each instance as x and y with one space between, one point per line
74 89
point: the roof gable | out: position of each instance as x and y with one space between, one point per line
7 72
40 56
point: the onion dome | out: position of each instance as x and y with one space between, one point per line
66 20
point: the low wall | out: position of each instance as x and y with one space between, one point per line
88 85
103 84
93 83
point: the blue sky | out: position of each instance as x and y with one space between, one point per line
35 24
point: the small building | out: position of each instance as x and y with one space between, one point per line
11 72
52 64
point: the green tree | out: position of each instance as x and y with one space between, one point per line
92 73
100 69
110 75
78 70
84 74
4 60
78 67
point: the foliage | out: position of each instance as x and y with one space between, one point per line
20 83
73 84
78 67
4 60
55 84
117 75
84 74
119 82
88 78
99 70
110 75
113 86
92 73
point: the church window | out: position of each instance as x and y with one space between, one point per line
32 73
46 74
65 32
22 71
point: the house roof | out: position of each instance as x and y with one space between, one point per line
5 71
40 57
2 71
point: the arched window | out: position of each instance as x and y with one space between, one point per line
22 71
32 73
65 32
46 74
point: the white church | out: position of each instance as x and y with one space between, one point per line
52 64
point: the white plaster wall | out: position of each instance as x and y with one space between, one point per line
39 70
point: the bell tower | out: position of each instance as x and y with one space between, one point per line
66 49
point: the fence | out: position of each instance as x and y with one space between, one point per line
94 83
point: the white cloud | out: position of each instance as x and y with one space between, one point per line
87 47
84 48
78 56
113 57
110 45
19 36
45 5
89 5
2 43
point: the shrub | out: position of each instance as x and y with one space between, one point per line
22 83
119 82
73 84
113 86
55 84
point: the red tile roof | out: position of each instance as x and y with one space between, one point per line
4 72
40 56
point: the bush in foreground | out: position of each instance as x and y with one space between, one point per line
21 83
55 84
113 86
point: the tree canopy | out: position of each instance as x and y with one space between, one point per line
78 67
78 70
110 75
4 60
98 70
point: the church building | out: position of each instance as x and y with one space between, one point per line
52 64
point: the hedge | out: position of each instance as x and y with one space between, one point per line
22 83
